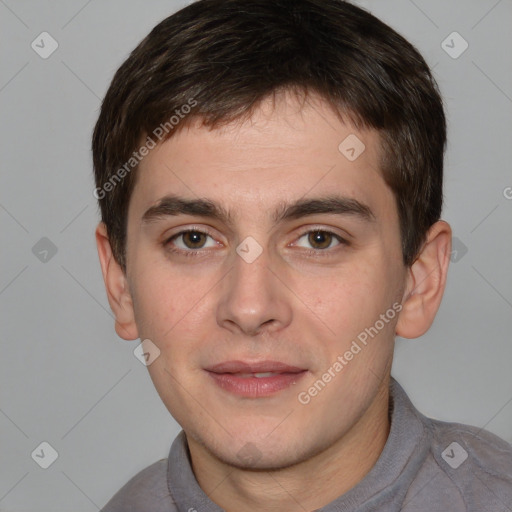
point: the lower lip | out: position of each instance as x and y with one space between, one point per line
254 387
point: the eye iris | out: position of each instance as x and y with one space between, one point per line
193 239
319 239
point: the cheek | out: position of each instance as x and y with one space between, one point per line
351 306
173 313
155 307
161 296
349 298
158 308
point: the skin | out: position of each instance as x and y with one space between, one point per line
300 302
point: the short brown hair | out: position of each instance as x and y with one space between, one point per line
229 55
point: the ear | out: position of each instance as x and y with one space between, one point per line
116 285
425 283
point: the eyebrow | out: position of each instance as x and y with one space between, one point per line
171 205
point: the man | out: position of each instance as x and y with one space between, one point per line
270 181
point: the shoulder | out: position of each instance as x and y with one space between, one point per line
456 444
147 490
477 462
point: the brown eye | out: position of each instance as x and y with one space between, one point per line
188 240
194 239
320 239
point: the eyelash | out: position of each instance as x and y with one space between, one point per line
200 252
191 252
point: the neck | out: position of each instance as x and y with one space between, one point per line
308 485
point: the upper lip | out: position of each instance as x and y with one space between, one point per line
253 367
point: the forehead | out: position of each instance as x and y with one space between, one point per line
286 150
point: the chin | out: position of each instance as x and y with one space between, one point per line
260 454
250 457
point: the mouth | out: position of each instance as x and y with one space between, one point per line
255 380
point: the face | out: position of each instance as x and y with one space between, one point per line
264 263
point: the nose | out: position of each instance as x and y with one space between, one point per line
254 299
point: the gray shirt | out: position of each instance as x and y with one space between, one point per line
425 466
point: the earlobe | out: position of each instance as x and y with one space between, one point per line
116 286
426 282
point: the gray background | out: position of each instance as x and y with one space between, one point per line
67 378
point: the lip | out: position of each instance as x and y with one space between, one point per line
238 377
